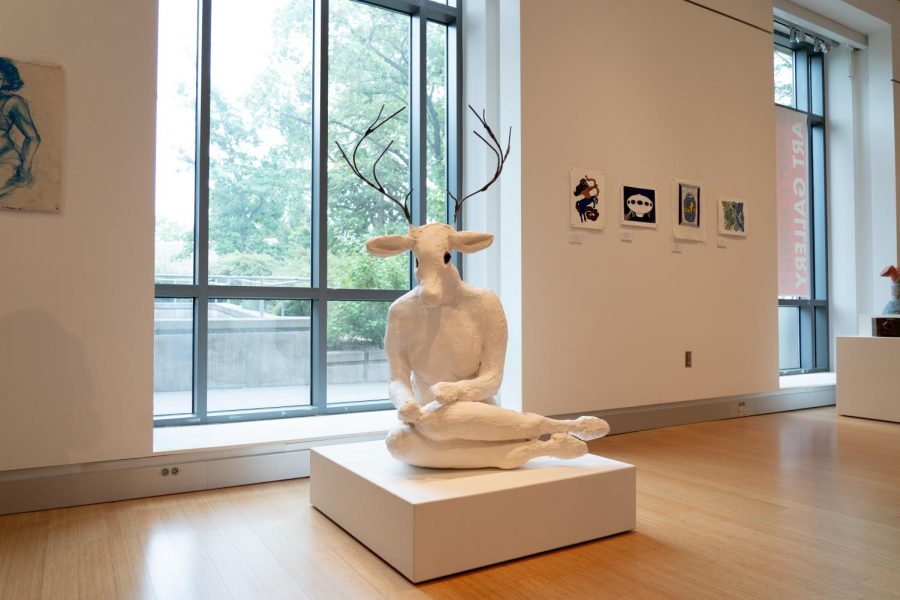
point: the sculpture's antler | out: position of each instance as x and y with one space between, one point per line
498 151
891 272
351 162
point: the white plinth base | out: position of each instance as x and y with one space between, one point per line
867 377
428 523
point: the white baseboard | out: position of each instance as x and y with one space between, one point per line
75 485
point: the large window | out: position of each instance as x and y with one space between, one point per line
801 200
267 304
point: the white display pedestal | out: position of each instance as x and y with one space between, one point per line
428 523
867 383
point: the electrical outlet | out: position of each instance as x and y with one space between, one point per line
164 472
742 409
175 471
688 359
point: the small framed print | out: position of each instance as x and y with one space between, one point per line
638 206
688 215
732 216
587 199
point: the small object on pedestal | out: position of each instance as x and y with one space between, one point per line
886 326
893 307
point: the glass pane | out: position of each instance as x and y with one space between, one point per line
368 67
788 337
819 247
258 354
817 84
436 115
792 197
260 145
784 77
357 364
176 109
173 356
822 340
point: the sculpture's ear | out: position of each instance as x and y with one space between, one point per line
389 245
471 241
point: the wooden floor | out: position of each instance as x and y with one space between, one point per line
793 505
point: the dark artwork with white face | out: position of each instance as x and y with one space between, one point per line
638 205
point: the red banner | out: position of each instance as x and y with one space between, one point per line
792 199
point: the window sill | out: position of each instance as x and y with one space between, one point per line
219 436
807 380
167 440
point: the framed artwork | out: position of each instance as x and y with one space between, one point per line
587 199
638 206
30 142
732 216
688 215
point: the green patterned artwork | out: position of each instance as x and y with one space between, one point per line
732 217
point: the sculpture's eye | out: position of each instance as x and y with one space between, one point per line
446 257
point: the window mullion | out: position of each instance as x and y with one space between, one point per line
417 124
319 322
201 220
454 116
418 99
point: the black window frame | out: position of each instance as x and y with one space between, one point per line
318 293
810 100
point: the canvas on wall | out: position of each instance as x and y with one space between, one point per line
30 135
587 199
688 216
638 206
732 216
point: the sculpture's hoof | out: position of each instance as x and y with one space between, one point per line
563 445
410 413
589 428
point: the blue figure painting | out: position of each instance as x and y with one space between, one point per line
15 160
31 100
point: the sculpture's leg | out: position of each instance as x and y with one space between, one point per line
485 422
405 443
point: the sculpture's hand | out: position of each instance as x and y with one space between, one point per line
447 392
409 412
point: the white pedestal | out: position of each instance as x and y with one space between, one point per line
428 523
867 382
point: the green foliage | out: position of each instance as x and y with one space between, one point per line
356 325
251 265
260 209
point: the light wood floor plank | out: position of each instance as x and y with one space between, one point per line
792 505
60 577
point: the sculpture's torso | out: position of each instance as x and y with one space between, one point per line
447 343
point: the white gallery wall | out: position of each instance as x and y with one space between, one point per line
646 91
76 308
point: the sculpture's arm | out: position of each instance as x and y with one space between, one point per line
400 388
490 372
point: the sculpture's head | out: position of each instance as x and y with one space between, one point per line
432 245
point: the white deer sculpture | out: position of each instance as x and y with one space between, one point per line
446 345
